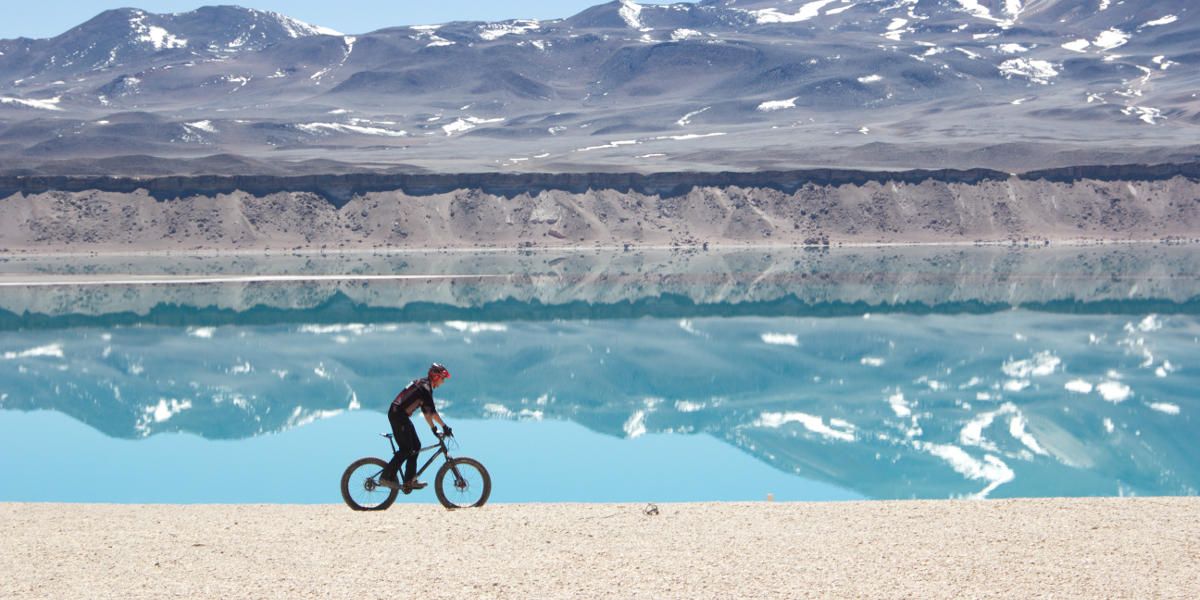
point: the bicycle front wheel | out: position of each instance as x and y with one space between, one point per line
360 486
462 483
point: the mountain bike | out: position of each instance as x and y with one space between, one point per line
460 483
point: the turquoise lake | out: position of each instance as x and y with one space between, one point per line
931 372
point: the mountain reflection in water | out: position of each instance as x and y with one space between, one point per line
894 373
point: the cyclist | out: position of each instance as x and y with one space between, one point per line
418 394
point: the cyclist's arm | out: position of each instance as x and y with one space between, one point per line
431 417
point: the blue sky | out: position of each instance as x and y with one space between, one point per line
47 18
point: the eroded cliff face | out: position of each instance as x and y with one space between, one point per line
566 210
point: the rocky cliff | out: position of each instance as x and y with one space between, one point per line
814 207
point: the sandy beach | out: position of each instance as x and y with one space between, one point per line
1060 548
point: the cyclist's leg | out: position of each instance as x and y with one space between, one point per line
397 419
412 442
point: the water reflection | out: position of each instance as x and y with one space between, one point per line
891 373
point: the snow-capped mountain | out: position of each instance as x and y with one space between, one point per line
719 84
123 39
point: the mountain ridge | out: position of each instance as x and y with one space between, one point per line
622 86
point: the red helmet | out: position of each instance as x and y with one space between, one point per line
440 370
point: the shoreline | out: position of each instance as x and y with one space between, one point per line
1056 547
10 253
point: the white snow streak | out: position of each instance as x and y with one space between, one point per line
317 128
48 104
51 350
771 105
781 339
1167 20
812 423
687 119
1165 407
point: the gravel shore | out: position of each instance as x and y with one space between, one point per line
1061 548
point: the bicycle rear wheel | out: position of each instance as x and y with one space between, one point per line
462 483
360 486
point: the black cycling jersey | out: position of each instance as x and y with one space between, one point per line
418 394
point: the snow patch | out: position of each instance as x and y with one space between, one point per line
1150 323
1042 364
1146 114
298 29
1016 428
299 419
47 104
899 405
781 339
1164 369
495 31
1078 386
51 350
806 12
612 144
839 10
470 327
319 128
685 120
498 410
1016 385
167 408
688 136
1077 46
631 13
1114 391
771 105
813 423
975 9
467 123
990 469
1165 407
684 34
1112 38
1035 70
202 126
161 38
1167 20
635 426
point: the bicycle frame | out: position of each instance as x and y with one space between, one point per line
440 445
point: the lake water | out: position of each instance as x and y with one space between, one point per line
609 376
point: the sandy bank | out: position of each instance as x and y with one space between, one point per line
1063 548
